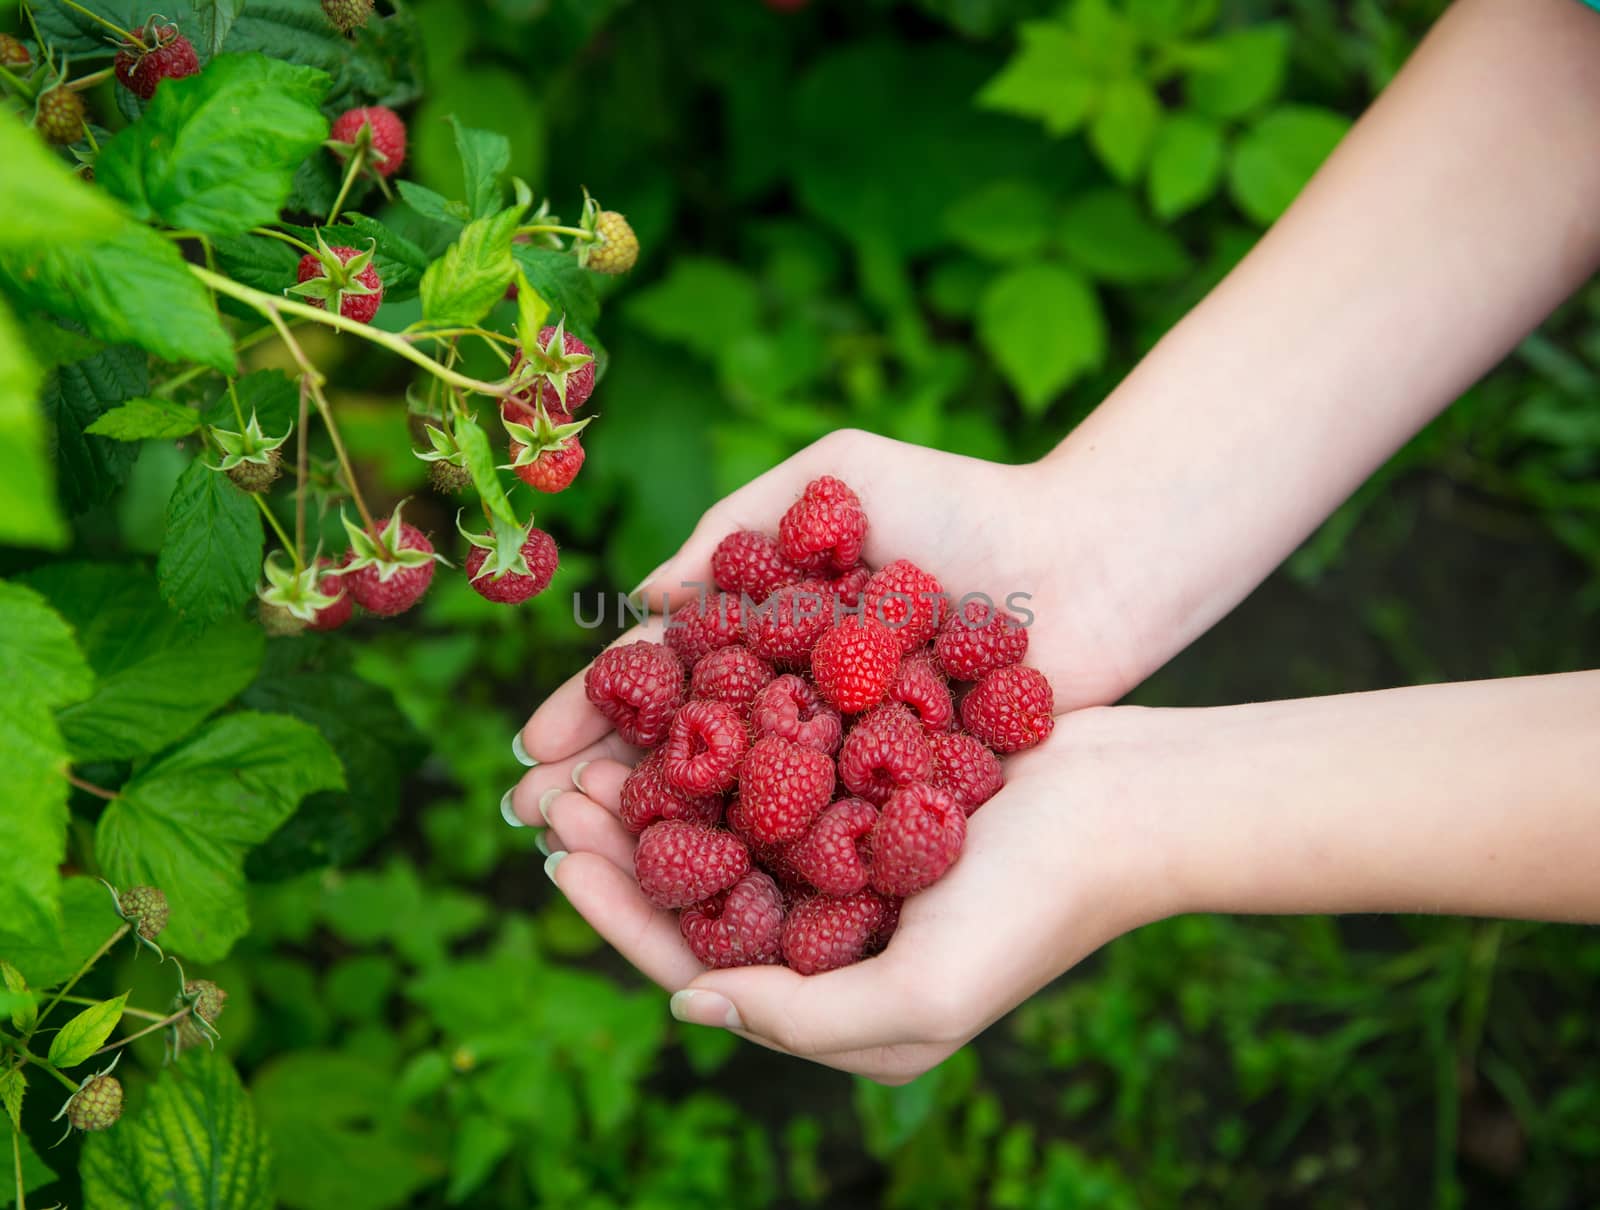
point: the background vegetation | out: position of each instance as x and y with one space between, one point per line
958 222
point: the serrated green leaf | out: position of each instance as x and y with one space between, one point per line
1043 326
91 468
377 66
270 395
53 345
1185 164
1274 160
566 286
436 206
462 285
1107 234
400 262
22 1008
257 261
43 202
145 418
1246 72
195 1143
485 160
1050 78
29 514
86 1033
87 921
1003 220
1124 127
480 461
211 552
144 659
13 1084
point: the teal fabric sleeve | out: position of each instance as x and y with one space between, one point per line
1594 4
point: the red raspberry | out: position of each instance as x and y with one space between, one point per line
786 626
403 588
168 55
703 625
333 616
978 638
825 528
782 788
854 664
704 748
510 588
965 769
750 563
735 675
887 749
388 135
1010 709
552 470
824 934
638 687
359 307
849 585
580 382
908 600
737 927
920 685
833 855
648 799
891 922
919 836
679 863
790 709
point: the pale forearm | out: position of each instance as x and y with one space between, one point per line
1462 208
1477 799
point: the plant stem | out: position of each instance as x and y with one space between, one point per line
356 162
82 971
552 229
143 1013
270 305
238 412
162 1023
277 528
166 389
91 80
40 1063
91 788
285 237
19 85
454 333
301 467
116 29
16 1160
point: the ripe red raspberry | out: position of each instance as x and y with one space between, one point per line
638 687
965 769
790 709
167 55
704 747
648 799
835 853
920 685
738 927
887 749
823 934
679 863
550 471
580 382
786 626
331 617
750 563
978 638
908 600
388 136
848 586
359 307
854 664
918 837
512 588
706 624
730 674
1010 709
782 788
824 529
404 586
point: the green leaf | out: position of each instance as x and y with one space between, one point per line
702 304
87 921
378 66
272 395
1050 78
1272 163
400 262
1107 233
434 205
128 286
35 1172
479 458
461 286
568 287
22 1009
257 261
185 822
86 1033
13 1084
1185 164
147 693
144 418
211 552
216 21
43 202
1246 74
1125 126
481 1142
485 160
29 515
91 468
53 345
41 657
1043 326
194 1143
216 152
1003 220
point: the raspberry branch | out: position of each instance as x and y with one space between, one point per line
98 19
358 160
556 229
90 788
83 970
90 80
161 1023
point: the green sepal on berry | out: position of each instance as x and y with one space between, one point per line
550 362
540 437
339 277
504 546
297 593
385 551
97 1103
612 247
144 907
251 458
447 464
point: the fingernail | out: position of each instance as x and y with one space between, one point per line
546 800
521 753
540 843
551 862
506 813
645 583
705 1008
577 773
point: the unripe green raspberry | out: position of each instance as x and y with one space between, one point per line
60 116
617 249
211 998
13 54
144 907
256 476
347 16
277 621
448 478
97 1104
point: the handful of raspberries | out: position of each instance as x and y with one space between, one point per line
810 763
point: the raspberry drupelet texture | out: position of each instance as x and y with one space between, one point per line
510 588
823 933
679 863
782 788
849 585
331 583
359 307
786 626
917 838
742 926
920 686
403 588
551 470
854 663
886 750
388 135
166 55
647 799
1010 709
638 687
735 675
965 769
704 747
790 709
908 600
824 530
749 562
703 625
580 382
835 853
978 638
